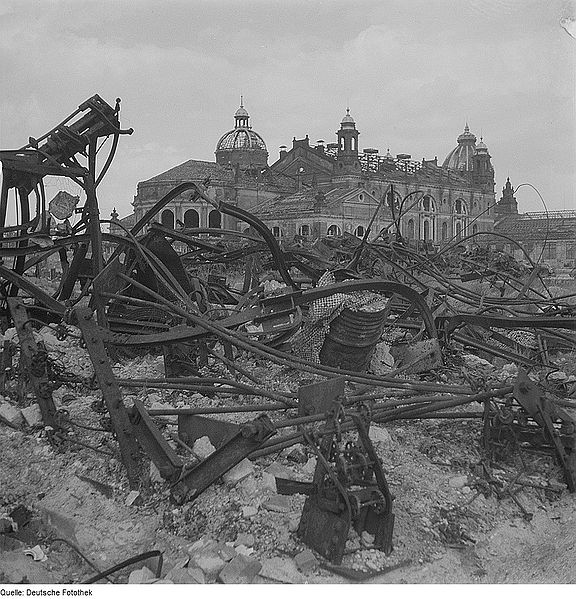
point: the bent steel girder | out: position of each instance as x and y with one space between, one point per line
507 322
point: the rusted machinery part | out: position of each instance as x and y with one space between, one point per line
297 298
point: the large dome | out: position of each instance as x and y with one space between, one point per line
241 139
242 145
460 158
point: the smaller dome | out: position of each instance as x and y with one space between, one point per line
241 112
481 147
348 120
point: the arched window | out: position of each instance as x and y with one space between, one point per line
474 229
428 204
277 232
167 218
458 229
444 231
360 231
352 144
304 230
342 144
410 229
333 231
215 219
191 219
460 207
426 230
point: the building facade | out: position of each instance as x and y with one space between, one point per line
332 188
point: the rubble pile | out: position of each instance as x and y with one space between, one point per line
243 411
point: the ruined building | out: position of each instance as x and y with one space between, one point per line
332 188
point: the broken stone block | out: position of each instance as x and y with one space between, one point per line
11 414
239 472
210 563
197 575
244 538
310 466
140 576
243 550
282 570
241 570
269 481
180 576
280 470
203 448
306 561
457 482
278 503
248 511
380 435
227 553
32 415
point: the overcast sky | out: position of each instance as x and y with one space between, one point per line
412 72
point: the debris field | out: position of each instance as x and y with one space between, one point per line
199 406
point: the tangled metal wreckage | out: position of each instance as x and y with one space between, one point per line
328 308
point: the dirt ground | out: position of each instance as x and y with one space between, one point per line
450 525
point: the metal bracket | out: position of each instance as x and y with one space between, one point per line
33 362
250 437
154 444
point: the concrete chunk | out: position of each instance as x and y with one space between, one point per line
241 570
305 561
203 448
11 414
210 563
239 472
281 570
278 503
32 415
140 576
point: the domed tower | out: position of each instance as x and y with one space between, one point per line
482 169
242 146
347 146
460 158
507 204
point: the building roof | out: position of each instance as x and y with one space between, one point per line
193 170
538 226
304 202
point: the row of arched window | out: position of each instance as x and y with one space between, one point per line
428 230
332 231
191 219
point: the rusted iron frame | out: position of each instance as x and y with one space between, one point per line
33 363
111 393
